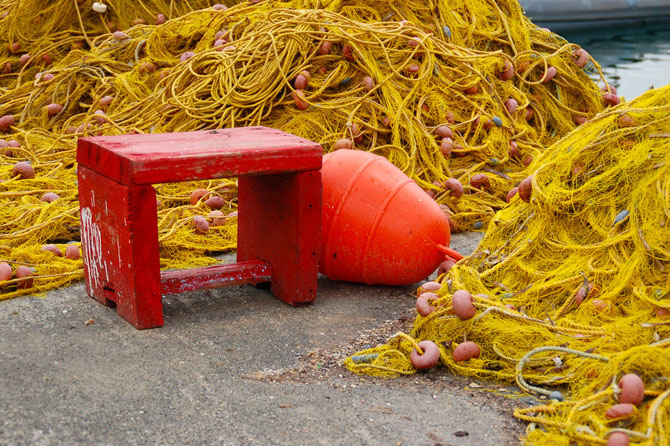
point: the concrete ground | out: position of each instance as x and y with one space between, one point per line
231 366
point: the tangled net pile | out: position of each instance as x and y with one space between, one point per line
463 90
572 290
422 83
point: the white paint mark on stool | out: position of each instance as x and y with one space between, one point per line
92 244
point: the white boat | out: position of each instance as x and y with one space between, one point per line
564 15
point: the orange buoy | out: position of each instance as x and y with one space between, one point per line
379 226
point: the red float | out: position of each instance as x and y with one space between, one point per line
379 226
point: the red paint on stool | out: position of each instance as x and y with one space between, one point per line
279 222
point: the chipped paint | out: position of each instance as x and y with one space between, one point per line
179 281
92 244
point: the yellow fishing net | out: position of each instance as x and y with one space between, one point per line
445 90
53 27
412 81
572 290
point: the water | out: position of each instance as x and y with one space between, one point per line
632 58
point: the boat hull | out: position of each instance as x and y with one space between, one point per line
578 14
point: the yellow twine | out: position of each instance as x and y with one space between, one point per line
598 219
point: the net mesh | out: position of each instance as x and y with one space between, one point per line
571 289
445 90
389 77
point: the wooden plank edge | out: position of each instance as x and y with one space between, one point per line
216 276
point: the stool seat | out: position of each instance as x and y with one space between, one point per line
154 158
279 214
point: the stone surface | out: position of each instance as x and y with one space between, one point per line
231 366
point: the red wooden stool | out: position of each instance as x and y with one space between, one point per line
279 220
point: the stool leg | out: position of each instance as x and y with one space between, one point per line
280 222
119 237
